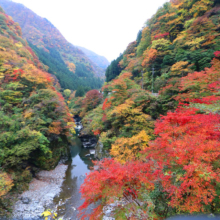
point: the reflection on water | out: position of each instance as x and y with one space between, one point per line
69 199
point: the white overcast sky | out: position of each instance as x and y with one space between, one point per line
103 26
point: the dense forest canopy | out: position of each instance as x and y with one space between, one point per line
67 78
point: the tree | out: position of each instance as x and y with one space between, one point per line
188 146
128 149
113 180
93 99
200 84
113 70
180 68
149 57
6 183
67 93
80 92
72 67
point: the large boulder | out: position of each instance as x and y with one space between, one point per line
100 152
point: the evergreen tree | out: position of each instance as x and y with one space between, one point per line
80 92
113 69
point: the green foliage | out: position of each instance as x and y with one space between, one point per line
66 78
67 93
80 92
113 69
92 121
188 23
199 58
145 42
161 44
139 35
17 141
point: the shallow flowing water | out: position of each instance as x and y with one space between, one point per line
69 199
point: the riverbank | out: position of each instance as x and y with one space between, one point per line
42 190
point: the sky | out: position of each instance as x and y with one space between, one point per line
105 27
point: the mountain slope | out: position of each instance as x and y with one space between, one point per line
180 38
100 61
34 118
41 33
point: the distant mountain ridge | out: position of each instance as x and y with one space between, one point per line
101 61
42 33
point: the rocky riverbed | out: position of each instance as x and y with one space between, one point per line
42 190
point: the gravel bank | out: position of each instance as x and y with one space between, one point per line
42 190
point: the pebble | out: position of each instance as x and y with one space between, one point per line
40 194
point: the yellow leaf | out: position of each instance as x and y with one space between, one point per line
46 213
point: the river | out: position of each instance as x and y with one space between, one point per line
69 198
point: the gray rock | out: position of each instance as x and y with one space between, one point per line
36 202
25 200
108 212
92 151
100 153
50 195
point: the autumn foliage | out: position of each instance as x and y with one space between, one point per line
6 183
34 118
92 99
183 160
189 147
114 180
171 166
178 171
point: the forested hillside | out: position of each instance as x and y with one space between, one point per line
100 61
179 39
34 119
68 63
161 130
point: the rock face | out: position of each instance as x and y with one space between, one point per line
100 153
88 141
42 190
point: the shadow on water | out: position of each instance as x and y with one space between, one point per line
69 199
